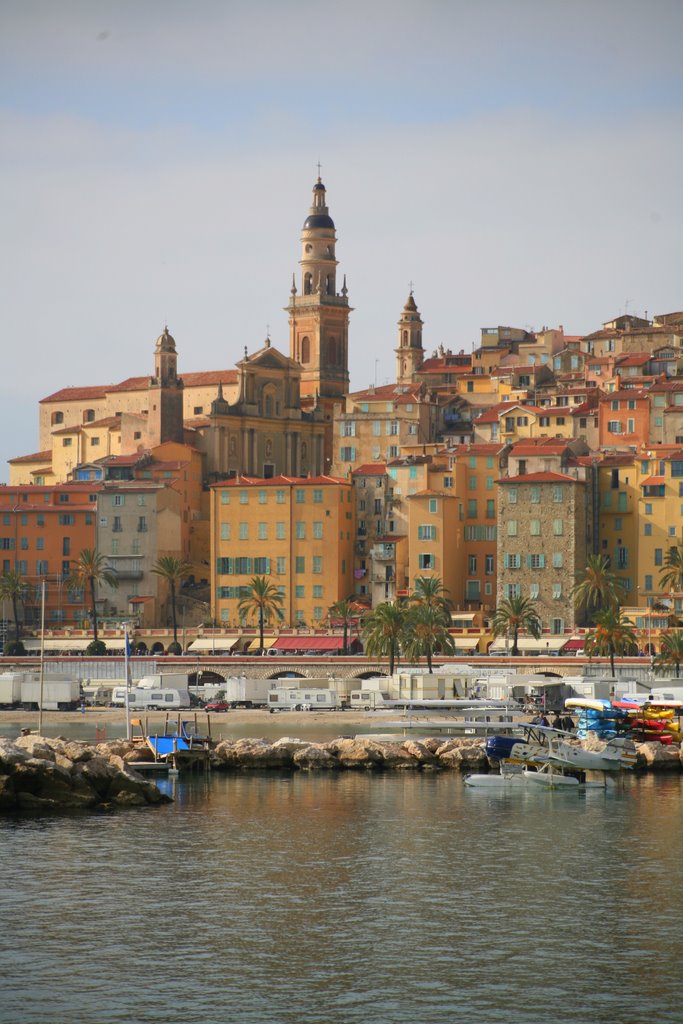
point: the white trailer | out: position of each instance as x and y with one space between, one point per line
58 694
246 693
369 699
294 698
145 698
165 681
10 688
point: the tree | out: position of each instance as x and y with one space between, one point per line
263 600
429 591
173 570
13 588
671 573
347 610
383 632
671 652
87 571
426 630
612 635
596 587
513 615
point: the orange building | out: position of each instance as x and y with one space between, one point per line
624 418
42 529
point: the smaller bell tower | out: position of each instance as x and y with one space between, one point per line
165 413
409 354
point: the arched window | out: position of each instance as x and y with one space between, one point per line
308 283
328 284
306 350
57 417
405 337
88 415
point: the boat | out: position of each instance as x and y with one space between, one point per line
542 745
548 776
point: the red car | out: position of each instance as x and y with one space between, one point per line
217 705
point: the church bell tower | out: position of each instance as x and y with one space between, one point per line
409 354
318 313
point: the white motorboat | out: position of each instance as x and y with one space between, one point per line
548 776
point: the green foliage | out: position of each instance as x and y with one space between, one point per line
14 649
515 615
597 588
671 653
13 588
383 632
612 635
671 573
88 571
347 610
426 631
96 648
263 601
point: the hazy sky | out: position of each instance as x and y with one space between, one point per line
520 162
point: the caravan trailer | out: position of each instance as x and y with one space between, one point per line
147 699
294 698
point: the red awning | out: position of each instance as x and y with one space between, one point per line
310 643
574 645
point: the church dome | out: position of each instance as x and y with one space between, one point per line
318 220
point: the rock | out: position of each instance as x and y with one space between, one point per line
259 753
354 753
421 752
77 751
11 755
464 757
315 756
659 758
36 746
395 756
432 743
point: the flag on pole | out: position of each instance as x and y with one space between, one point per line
128 650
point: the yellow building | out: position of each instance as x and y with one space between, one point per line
435 533
298 532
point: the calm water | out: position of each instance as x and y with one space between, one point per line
348 898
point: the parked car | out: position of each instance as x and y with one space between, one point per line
217 705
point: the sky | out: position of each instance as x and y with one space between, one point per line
519 162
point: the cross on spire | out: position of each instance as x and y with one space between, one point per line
318 170
410 285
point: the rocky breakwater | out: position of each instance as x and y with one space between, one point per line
359 754
38 773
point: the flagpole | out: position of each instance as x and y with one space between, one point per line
42 659
127 666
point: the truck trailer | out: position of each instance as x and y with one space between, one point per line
58 694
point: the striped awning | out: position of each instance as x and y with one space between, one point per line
214 643
268 642
465 643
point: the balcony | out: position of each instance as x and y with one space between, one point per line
383 553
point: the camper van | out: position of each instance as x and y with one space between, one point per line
291 698
368 700
147 699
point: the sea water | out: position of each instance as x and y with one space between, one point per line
348 898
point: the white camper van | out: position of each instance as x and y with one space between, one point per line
368 700
147 699
293 698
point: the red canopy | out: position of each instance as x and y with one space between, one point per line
310 643
574 645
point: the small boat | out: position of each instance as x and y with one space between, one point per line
549 776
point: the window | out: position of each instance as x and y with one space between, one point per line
426 533
512 561
317 531
535 527
300 530
347 454
513 590
317 564
535 561
244 531
280 497
471 564
557 627
658 556
262 531
488 565
40 543
244 497
300 496
648 508
472 483
557 591
66 442
299 590
66 545
512 495
66 519
225 497
512 527
433 505
490 508
534 591
262 497
535 495
348 428
647 530
41 567
472 590
471 508
23 544
648 582
614 427
280 566
447 482
116 524
376 428
299 564
317 496
280 531
117 499
262 566
558 527
425 561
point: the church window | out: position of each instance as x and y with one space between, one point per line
306 350
405 337
328 284
269 405
308 283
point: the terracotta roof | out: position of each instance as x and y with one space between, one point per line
35 457
390 393
634 359
207 377
429 493
280 481
653 481
107 421
441 365
76 394
541 478
76 429
197 421
477 448
540 446
625 393
370 469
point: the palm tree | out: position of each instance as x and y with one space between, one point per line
671 652
263 600
426 630
596 588
347 610
174 571
87 571
612 635
429 591
515 614
383 632
13 588
671 574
